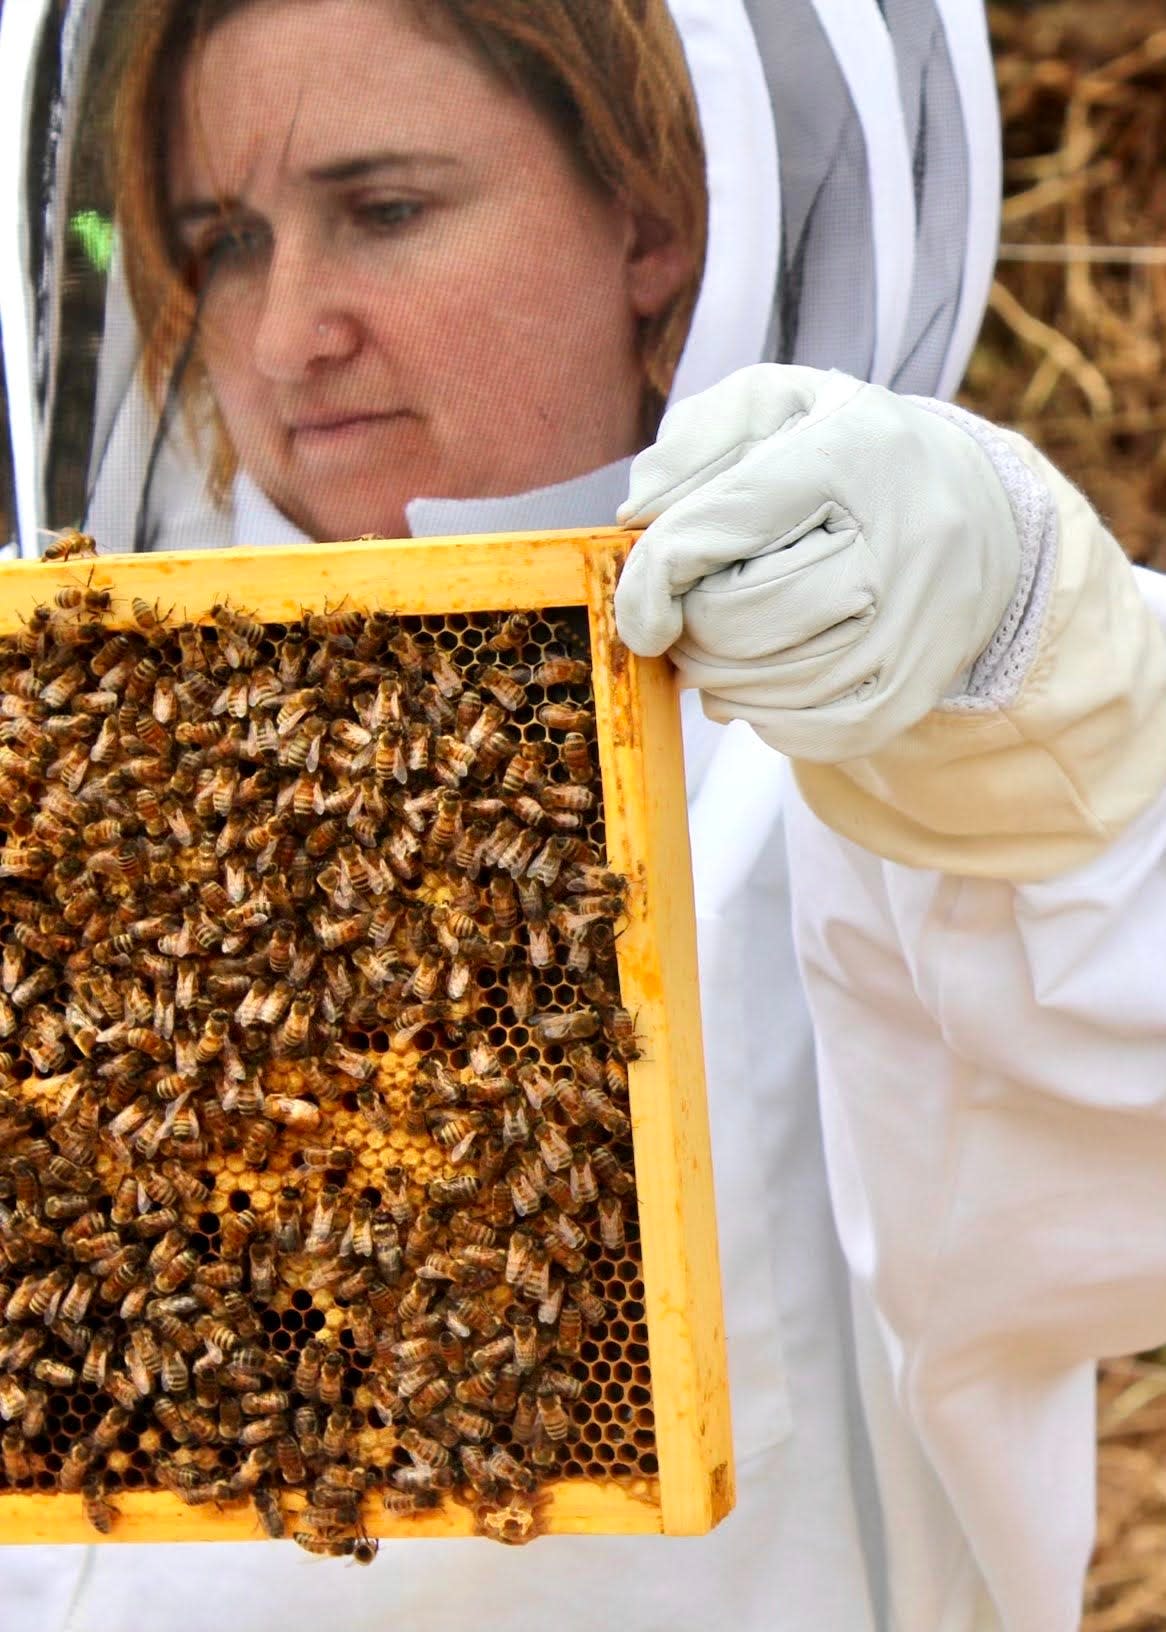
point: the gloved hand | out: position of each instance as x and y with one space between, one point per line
829 558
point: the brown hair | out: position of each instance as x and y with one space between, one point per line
608 75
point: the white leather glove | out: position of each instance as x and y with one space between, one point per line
828 558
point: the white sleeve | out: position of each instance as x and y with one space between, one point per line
993 1079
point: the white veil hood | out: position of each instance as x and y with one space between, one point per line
854 177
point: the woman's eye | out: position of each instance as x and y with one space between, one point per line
226 249
234 244
388 213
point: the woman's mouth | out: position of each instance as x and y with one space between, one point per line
332 424
336 434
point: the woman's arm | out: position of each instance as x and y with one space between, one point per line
993 1080
1058 740
915 607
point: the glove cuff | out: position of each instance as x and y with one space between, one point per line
997 675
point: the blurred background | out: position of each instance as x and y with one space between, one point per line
1073 351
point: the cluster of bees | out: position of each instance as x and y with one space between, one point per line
271 898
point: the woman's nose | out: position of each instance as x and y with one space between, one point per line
303 321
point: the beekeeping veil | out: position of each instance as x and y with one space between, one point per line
853 166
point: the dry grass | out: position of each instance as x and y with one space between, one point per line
1127 1584
1073 353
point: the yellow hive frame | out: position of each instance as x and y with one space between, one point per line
638 739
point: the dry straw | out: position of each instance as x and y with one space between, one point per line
1073 352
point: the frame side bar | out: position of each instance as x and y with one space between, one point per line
647 830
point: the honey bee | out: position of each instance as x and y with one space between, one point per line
512 634
44 1297
17 1462
261 1258
602 1110
611 1231
300 1114
75 1468
98 1510
321 1228
262 1430
333 624
267 1507
76 1300
560 670
590 1305
236 1229
584 1186
576 757
331 1377
621 1031
571 1025
453 757
571 797
259 1461
336 1430
149 619
13 1399
113 1422
336 1546
525 1195
290 1458
264 1402
95 1365
505 1467
70 546
429 1397
257 1144
308 1367
174 1374
266 1003
552 1145
568 717
506 686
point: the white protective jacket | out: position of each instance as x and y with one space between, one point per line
976 1117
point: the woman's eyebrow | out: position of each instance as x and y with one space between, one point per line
196 210
193 211
360 165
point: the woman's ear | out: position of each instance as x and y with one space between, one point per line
659 264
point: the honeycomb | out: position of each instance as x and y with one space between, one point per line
316 1178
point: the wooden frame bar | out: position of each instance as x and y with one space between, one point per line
640 755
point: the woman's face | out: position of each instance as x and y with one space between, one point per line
410 290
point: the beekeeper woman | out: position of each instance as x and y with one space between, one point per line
911 605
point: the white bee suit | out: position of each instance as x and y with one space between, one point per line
912 1421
